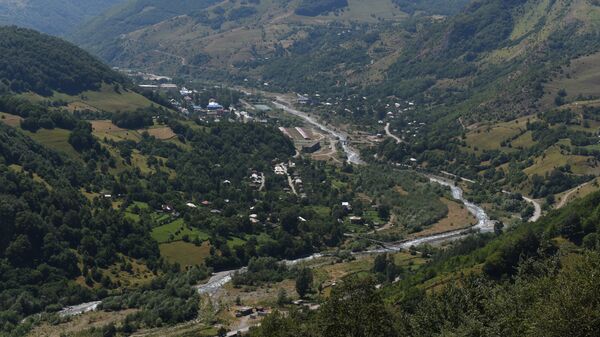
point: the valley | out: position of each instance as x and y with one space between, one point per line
269 168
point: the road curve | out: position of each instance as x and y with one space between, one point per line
390 134
537 214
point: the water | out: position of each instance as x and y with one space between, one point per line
352 154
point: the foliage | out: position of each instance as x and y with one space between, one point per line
36 62
318 7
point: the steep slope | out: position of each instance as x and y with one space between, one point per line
190 38
51 16
32 61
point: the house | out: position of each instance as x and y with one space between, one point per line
356 220
311 147
346 205
191 205
244 311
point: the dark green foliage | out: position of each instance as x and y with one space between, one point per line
138 119
167 300
32 61
262 270
43 229
319 7
304 281
445 7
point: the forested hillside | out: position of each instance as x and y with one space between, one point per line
32 61
51 16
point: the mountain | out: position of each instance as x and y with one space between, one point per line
40 63
209 35
56 17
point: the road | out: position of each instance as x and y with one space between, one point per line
263 182
352 154
390 134
537 214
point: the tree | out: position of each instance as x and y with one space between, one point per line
304 281
282 297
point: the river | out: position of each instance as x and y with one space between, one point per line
352 154
220 279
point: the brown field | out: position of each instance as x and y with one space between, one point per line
162 133
458 218
106 129
10 120
80 323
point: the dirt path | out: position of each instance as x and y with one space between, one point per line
565 199
390 134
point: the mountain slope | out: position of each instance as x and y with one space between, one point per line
226 32
37 62
56 17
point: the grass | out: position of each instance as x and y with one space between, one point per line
458 217
106 99
185 253
583 79
489 137
553 158
10 120
175 231
55 139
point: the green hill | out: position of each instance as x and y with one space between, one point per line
32 61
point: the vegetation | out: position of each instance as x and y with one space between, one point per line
315 7
532 278
35 62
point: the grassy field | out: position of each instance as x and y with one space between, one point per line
55 139
458 218
77 325
163 234
582 77
106 129
185 253
10 120
489 137
553 158
106 99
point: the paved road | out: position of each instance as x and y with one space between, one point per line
537 214
352 154
390 134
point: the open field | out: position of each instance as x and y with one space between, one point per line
553 158
10 120
582 77
458 218
77 325
162 132
175 231
106 99
185 253
106 129
55 139
490 137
